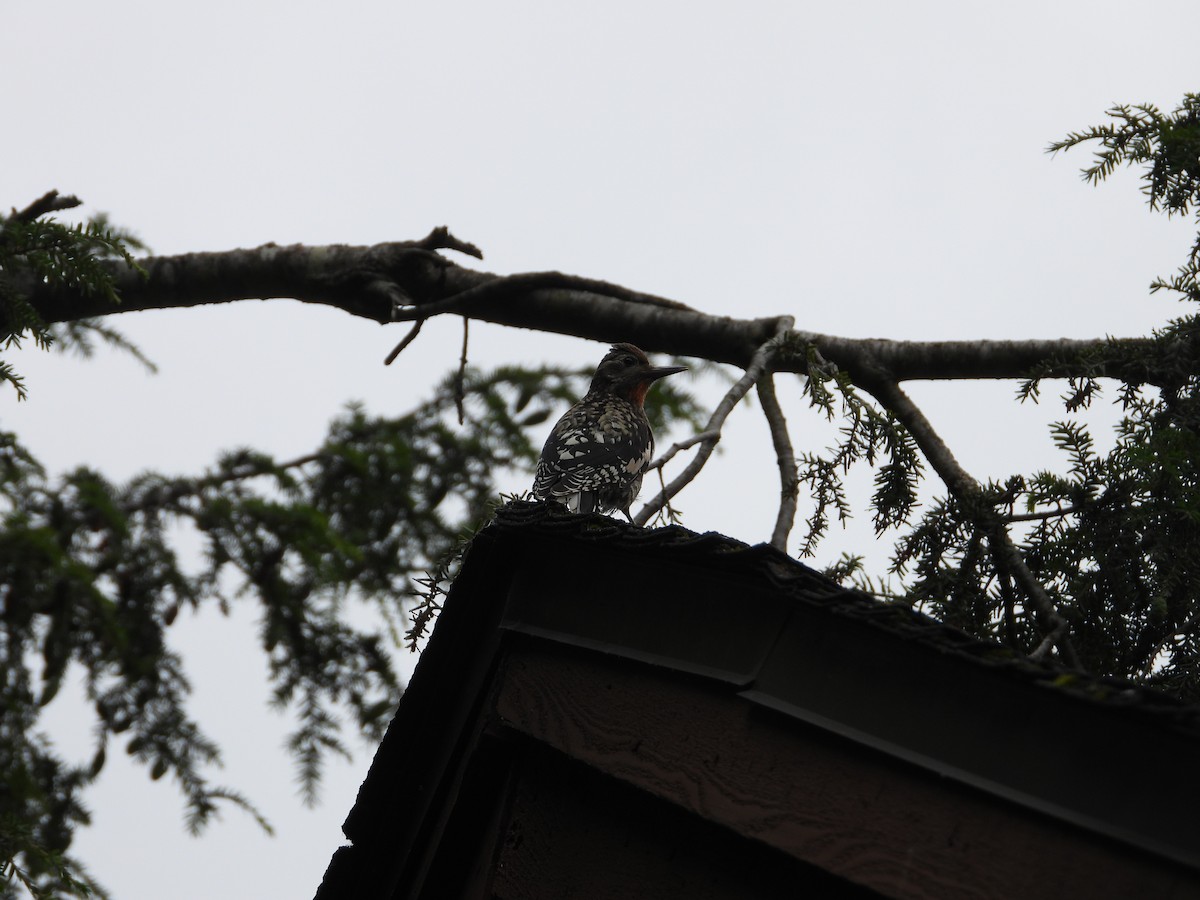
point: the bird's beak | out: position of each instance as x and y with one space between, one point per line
653 373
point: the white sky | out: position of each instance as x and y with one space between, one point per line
874 169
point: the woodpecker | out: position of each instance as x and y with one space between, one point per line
594 459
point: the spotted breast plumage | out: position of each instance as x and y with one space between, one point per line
595 456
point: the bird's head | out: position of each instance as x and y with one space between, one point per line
626 372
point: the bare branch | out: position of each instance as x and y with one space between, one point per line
47 203
408 280
758 365
683 445
461 374
1054 637
789 480
408 339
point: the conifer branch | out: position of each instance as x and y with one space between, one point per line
165 494
967 492
1043 515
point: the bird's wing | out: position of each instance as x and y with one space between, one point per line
580 456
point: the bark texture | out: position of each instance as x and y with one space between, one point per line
410 281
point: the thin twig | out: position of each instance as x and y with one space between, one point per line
682 445
1040 516
789 479
461 375
1055 636
671 515
968 492
758 365
1004 549
408 339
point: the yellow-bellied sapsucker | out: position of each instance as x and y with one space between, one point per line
596 453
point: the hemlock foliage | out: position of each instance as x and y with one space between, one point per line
1115 541
89 576
91 579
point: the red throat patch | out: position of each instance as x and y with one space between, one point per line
638 394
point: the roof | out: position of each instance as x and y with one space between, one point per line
1095 757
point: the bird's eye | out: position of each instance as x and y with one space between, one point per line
629 361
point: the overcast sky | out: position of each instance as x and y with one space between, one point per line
874 169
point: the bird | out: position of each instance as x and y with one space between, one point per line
596 454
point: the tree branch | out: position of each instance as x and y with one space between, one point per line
1053 637
47 203
408 339
679 446
1042 516
408 280
758 365
789 480
168 492
461 375
969 494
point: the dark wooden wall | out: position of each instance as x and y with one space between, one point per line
575 833
846 809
